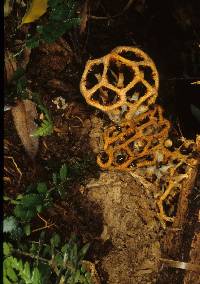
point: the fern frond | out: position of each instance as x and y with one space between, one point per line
46 128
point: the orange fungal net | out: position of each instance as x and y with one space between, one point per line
144 145
133 143
123 83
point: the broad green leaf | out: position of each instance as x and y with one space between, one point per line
35 11
42 187
7 248
31 200
24 213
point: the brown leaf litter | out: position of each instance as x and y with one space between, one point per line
24 114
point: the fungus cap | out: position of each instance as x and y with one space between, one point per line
122 83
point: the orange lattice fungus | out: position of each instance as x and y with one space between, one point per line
143 144
174 168
123 83
133 144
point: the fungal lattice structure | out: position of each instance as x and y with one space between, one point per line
144 145
124 84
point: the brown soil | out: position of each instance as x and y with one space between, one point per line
129 222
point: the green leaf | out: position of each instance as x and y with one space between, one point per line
39 208
36 277
45 129
18 264
42 187
65 248
59 260
34 248
77 276
11 274
7 248
26 271
6 281
83 270
47 250
6 198
24 213
9 224
75 252
45 273
88 276
55 240
63 172
19 196
27 229
83 251
31 200
32 42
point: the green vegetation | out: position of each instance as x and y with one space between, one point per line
48 259
61 18
46 126
36 199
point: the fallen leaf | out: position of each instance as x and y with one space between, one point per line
24 114
10 66
36 10
25 58
8 5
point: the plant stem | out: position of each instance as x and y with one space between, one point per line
31 256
